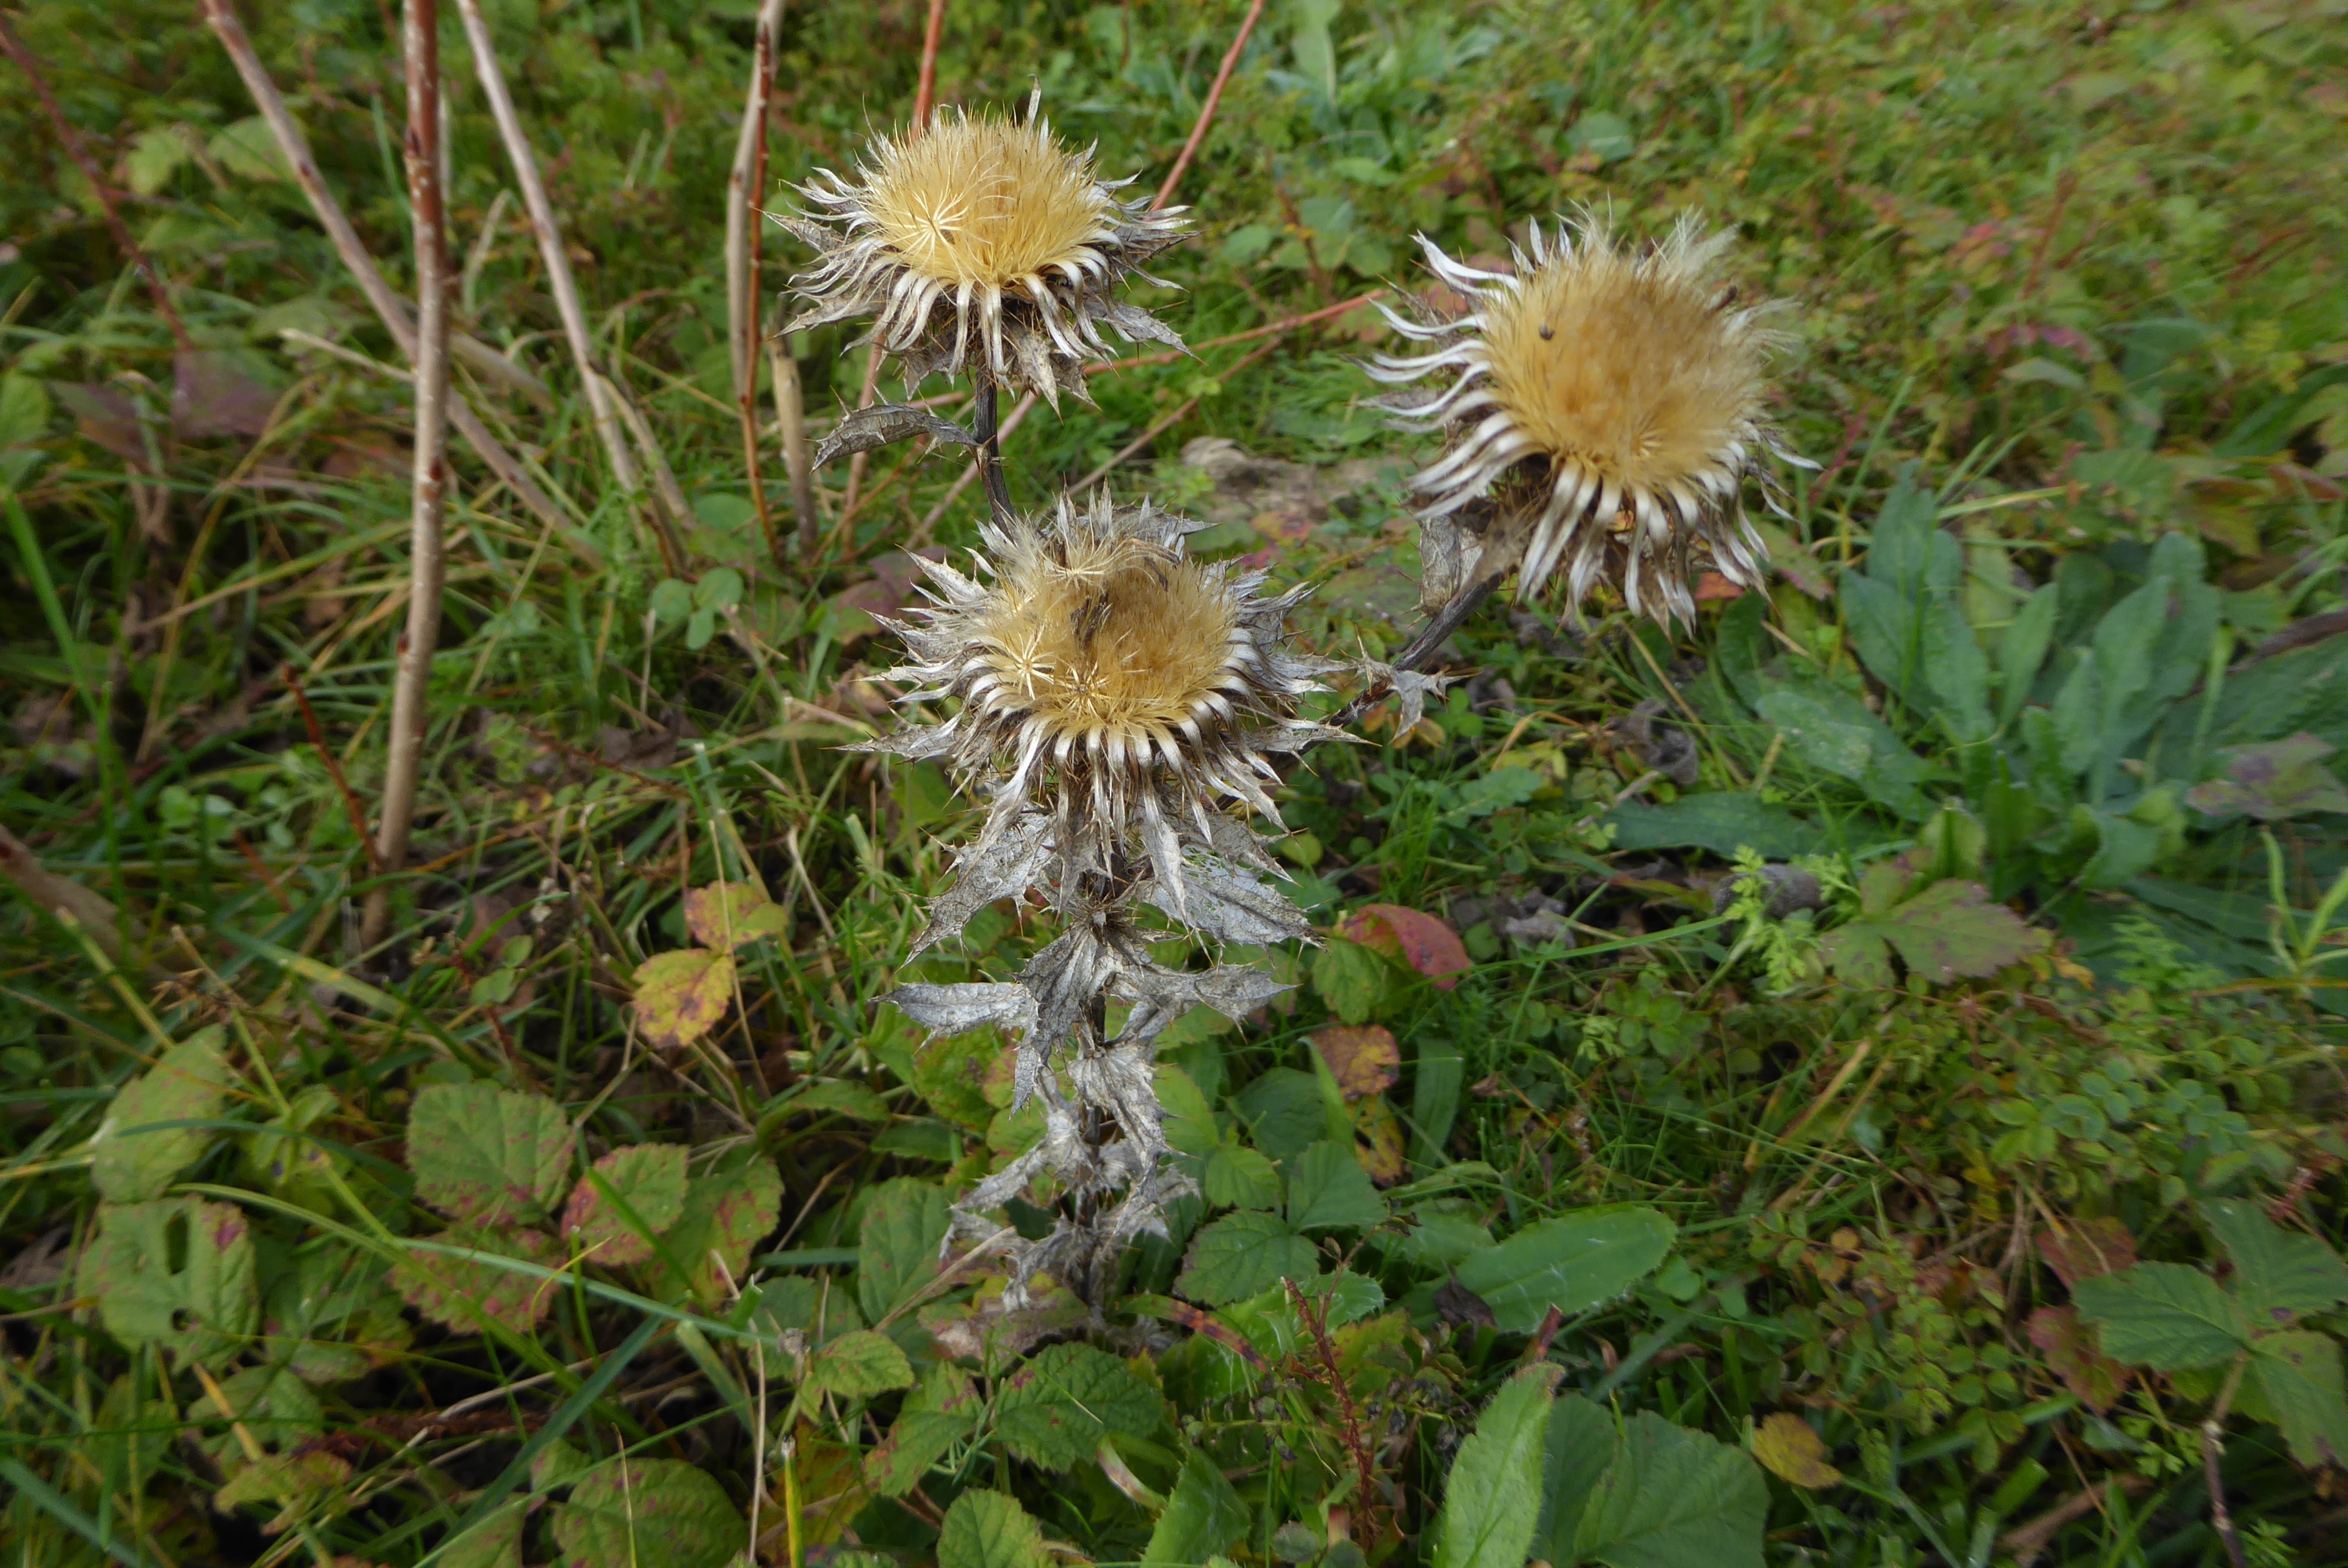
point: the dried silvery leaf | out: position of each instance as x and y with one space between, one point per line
883 423
958 1009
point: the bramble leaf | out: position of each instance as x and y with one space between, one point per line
1790 1449
726 915
1055 1409
897 1246
2070 1348
632 1511
726 1213
1204 1517
1364 1061
2163 1316
859 1365
986 1529
1674 1498
2298 1387
1328 1190
649 1179
2278 1274
486 1155
681 995
131 1157
176 1272
449 1290
939 1414
1243 1255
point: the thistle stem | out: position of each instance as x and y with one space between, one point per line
990 452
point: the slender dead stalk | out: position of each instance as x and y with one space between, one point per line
353 253
26 62
57 895
742 195
559 276
790 423
2213 1450
410 704
925 98
753 314
1207 110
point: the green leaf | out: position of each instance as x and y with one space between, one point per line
1723 822
2278 1275
249 149
1351 978
133 1159
680 996
1190 1123
2163 1316
1237 1177
935 1417
176 1273
1674 1498
24 410
2022 648
459 1292
1950 931
649 1180
1243 1255
2297 1386
495 1542
1493 1498
987 1529
897 1245
1570 1263
634 1512
726 1213
1283 1112
1329 1191
1055 1409
1204 1517
486 1155
1574 1458
859 1365
1906 615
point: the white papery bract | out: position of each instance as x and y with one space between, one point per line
1607 404
981 243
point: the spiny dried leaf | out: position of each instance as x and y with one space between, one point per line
883 423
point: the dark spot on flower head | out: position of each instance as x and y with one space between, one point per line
1547 332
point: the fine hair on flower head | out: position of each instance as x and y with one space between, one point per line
1607 412
978 244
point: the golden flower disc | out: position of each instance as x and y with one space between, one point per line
985 201
1631 373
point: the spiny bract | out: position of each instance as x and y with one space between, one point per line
981 239
1609 403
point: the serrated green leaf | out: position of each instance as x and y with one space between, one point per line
1328 1191
1237 1177
935 1417
859 1365
1204 1516
495 1542
986 1528
486 1155
1674 1498
1493 1498
2163 1316
2297 1386
175 1272
897 1244
1570 1263
1351 978
1950 931
131 1157
459 1292
1055 1410
726 1213
648 1180
1189 1124
680 996
2278 1275
1243 1255
1574 1458
634 1512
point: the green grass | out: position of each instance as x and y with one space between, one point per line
2085 266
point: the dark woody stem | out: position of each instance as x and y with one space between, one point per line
990 452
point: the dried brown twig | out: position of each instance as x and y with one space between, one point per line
1207 110
747 308
560 279
427 561
387 305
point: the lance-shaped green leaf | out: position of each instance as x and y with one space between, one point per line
858 1364
1570 1263
1493 1498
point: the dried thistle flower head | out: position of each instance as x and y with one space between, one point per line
1109 683
1609 402
982 241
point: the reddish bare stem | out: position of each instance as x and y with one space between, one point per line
1207 110
925 94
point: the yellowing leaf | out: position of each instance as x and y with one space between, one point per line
459 1292
681 995
1793 1451
729 914
1379 1141
1365 1061
858 1364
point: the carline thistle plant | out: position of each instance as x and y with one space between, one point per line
1606 413
1120 705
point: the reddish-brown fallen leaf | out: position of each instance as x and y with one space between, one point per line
1421 940
2068 1343
2087 1249
1365 1061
